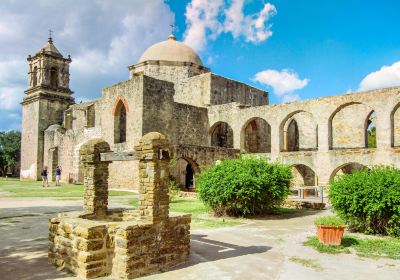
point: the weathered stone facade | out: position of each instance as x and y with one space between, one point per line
171 92
123 243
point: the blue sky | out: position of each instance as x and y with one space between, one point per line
294 49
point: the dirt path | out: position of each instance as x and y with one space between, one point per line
261 249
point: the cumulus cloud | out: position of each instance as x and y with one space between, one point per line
254 28
206 20
284 83
103 39
202 20
387 76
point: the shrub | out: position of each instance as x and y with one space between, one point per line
173 187
369 200
244 186
331 221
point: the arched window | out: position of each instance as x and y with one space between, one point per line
53 77
292 136
120 123
34 77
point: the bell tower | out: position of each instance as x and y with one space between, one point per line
45 100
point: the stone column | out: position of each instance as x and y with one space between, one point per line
153 153
95 177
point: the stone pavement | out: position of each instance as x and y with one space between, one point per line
259 249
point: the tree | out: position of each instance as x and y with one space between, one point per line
10 147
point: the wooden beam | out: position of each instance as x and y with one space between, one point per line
118 156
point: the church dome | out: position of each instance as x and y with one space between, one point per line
171 50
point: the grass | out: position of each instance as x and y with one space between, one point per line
382 247
331 221
201 218
17 188
306 263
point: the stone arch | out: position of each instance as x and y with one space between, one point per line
303 175
347 126
53 77
120 122
183 171
370 130
256 136
395 126
221 135
298 132
117 103
346 168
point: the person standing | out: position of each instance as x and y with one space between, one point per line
58 175
45 181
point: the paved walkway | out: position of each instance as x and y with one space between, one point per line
260 249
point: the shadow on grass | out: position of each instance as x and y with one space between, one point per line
287 213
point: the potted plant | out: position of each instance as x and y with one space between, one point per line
330 230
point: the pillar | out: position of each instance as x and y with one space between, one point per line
95 177
153 153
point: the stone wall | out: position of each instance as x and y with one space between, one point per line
124 243
331 129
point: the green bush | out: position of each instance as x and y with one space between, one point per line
331 221
244 186
173 187
369 200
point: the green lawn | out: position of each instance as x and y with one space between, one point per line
17 188
375 247
201 217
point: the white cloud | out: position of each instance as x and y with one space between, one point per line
202 22
387 76
206 20
254 28
102 37
284 83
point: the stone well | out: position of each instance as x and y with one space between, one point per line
122 243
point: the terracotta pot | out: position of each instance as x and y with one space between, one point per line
330 235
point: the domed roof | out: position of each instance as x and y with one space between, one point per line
171 50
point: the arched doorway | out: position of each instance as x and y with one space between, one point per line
189 177
370 130
303 175
348 126
183 172
292 136
221 135
299 132
256 136
347 168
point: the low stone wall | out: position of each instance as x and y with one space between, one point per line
145 248
118 242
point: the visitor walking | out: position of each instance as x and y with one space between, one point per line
58 175
45 181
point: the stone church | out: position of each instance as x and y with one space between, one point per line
205 116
